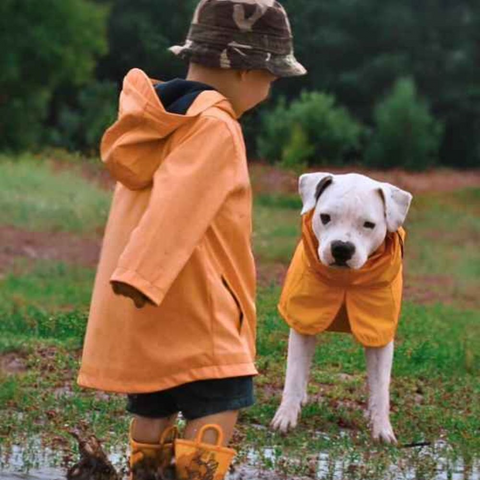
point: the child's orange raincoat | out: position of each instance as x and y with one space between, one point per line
365 302
179 231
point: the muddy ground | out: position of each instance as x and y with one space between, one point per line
431 403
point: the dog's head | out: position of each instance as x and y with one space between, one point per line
352 216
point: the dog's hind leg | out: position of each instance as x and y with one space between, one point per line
300 353
379 368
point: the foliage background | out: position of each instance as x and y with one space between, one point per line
60 59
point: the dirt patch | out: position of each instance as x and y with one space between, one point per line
59 246
467 238
271 273
270 179
12 364
420 289
431 290
94 172
76 250
442 180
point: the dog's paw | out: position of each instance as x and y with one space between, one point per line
286 417
382 431
305 399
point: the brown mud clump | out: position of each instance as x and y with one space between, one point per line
148 470
94 463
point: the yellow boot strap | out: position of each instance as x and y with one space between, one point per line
162 450
200 460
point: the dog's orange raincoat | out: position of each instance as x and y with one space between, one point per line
365 302
179 231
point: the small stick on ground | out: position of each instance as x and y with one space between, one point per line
415 444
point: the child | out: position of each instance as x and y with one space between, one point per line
178 242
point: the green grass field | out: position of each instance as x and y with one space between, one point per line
435 389
31 197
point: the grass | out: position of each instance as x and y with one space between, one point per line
31 197
276 228
442 242
47 285
435 390
455 221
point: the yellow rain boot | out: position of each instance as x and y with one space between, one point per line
148 459
196 460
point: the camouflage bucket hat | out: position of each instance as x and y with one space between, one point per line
241 35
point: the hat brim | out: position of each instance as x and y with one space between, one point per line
281 66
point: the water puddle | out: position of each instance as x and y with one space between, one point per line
36 462
435 462
438 461
29 464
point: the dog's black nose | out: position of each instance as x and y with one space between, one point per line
342 251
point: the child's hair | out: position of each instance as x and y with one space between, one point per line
241 35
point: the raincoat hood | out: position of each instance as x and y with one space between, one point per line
179 231
134 146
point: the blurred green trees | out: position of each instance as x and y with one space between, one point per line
44 45
80 125
139 35
405 135
355 50
358 49
312 127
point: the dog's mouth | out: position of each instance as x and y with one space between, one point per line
339 264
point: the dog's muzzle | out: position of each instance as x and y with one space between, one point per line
342 252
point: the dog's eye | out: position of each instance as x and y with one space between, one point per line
369 225
325 218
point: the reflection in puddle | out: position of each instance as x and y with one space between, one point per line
33 459
425 468
437 462
35 462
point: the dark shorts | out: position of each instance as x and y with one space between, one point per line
196 399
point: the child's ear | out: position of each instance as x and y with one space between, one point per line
244 75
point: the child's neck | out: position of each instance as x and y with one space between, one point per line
224 81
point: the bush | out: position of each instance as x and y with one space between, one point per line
81 127
406 134
44 45
297 151
21 119
461 140
328 132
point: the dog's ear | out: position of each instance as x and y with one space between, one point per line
311 186
397 203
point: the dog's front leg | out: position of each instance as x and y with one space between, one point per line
379 368
300 353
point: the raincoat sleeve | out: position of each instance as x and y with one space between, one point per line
189 189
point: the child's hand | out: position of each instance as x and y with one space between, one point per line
128 291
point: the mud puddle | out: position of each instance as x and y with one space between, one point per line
435 462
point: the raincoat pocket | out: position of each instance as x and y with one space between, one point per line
236 301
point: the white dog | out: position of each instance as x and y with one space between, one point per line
346 275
